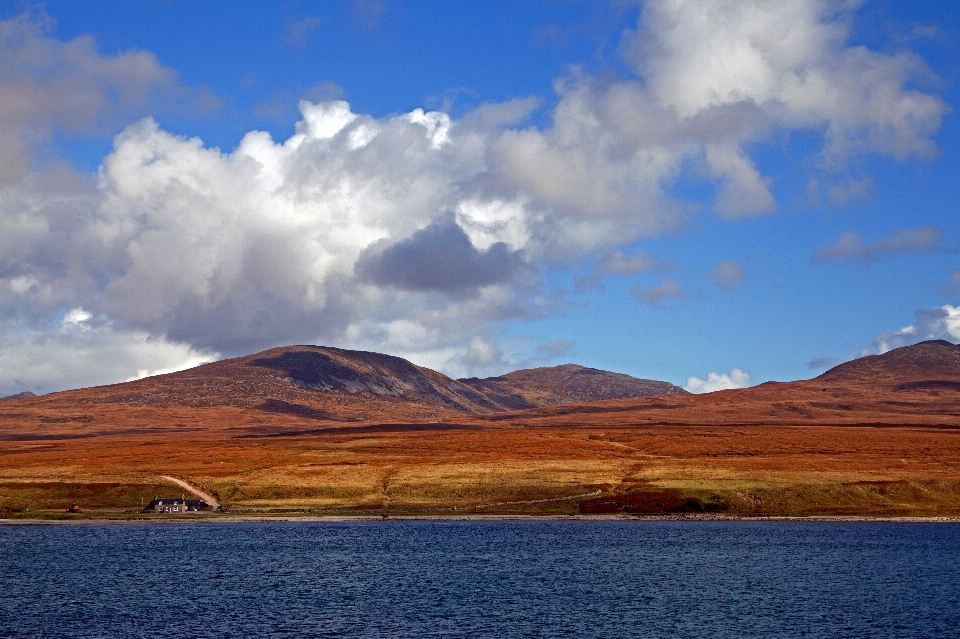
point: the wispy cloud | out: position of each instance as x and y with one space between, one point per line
300 32
853 246
617 263
553 349
282 106
728 275
369 12
657 296
951 288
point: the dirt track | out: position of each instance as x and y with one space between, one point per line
196 491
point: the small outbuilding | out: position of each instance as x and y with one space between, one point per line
197 505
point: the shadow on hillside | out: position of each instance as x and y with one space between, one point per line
298 410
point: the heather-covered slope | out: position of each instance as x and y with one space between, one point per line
279 432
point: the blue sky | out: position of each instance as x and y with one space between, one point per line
714 193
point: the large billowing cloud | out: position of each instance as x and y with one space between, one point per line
80 350
414 234
785 62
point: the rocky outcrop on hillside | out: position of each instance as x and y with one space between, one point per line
23 395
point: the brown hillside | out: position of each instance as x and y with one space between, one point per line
279 432
926 362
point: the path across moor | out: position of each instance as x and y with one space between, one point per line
196 491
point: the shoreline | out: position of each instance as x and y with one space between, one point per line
239 519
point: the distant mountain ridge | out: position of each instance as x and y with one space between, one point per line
307 389
334 384
565 384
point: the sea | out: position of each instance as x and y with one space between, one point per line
540 578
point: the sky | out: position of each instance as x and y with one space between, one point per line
715 193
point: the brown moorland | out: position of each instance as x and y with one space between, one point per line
328 431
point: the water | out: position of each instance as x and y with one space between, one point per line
482 579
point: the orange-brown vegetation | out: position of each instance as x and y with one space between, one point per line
275 432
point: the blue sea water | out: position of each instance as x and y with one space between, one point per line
481 579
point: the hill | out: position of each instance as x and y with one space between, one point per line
566 384
918 384
927 364
297 384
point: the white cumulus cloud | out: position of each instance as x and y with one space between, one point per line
936 323
736 378
86 353
416 232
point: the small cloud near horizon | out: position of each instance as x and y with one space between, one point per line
656 296
951 288
736 378
935 323
618 263
552 349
